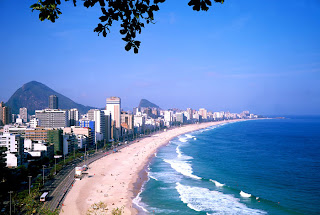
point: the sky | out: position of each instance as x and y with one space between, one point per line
262 56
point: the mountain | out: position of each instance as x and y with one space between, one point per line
35 96
146 103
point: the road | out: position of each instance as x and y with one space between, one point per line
60 185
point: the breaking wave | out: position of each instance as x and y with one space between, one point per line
203 199
182 167
217 183
243 194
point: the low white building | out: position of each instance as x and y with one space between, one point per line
70 142
14 145
139 121
19 121
82 140
34 123
38 148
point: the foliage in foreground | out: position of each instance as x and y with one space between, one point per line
132 15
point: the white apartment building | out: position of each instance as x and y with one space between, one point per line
139 121
14 145
168 118
82 140
189 114
38 148
203 113
52 118
34 123
99 117
218 115
114 107
73 117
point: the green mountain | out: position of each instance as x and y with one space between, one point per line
146 103
35 96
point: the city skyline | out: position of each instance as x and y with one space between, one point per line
187 59
185 107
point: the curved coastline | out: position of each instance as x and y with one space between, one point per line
118 178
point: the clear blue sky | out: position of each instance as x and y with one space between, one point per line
245 54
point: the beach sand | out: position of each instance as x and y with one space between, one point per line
116 178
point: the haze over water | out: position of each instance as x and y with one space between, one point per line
275 161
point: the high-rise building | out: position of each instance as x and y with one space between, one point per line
180 118
168 118
53 102
74 117
114 107
99 118
127 120
5 114
108 126
190 114
52 118
203 113
23 112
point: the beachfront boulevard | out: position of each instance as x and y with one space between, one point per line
60 185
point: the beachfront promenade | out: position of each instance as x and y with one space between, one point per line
112 179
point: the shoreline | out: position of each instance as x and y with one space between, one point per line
138 185
118 178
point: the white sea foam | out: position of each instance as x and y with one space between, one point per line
151 175
217 183
178 152
189 136
182 167
182 156
182 139
205 129
155 154
138 203
246 195
202 199
169 176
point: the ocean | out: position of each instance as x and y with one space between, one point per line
269 166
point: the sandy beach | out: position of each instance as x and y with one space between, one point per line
113 179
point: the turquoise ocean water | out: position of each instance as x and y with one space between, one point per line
253 167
